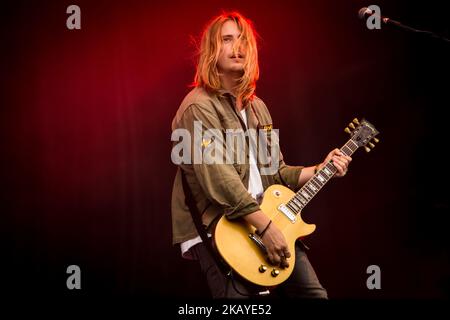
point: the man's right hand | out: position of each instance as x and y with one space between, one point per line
273 239
277 249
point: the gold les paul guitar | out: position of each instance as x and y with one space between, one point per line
245 252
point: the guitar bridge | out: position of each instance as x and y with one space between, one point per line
258 242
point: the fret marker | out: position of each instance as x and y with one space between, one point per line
299 198
321 178
305 194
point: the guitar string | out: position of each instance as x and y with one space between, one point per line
347 149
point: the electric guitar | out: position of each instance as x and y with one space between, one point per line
244 251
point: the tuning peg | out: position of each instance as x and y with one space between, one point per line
347 130
376 140
371 145
351 125
356 121
367 149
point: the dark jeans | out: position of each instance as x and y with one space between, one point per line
302 283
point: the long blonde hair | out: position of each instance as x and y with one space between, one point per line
207 74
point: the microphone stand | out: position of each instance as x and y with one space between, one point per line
366 12
411 29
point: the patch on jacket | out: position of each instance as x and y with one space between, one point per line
266 127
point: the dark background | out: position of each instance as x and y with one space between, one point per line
85 129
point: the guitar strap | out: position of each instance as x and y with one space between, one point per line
197 218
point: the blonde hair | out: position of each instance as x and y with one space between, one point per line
207 74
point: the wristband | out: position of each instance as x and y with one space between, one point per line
261 234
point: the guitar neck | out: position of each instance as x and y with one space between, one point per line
315 184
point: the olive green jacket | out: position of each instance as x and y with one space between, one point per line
220 188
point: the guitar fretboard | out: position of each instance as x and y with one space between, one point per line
313 185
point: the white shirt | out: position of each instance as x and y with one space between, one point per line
255 188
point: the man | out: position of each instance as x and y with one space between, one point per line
224 99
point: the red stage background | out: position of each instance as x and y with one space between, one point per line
85 130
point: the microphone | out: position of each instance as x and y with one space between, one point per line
365 12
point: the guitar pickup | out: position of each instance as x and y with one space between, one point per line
285 210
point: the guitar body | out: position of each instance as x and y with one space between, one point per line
244 256
241 248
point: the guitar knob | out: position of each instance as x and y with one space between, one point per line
275 272
367 149
351 125
355 121
262 268
376 140
371 145
347 130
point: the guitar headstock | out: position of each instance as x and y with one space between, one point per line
362 134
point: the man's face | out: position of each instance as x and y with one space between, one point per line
230 62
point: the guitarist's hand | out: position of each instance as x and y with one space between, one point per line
340 162
277 249
273 239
